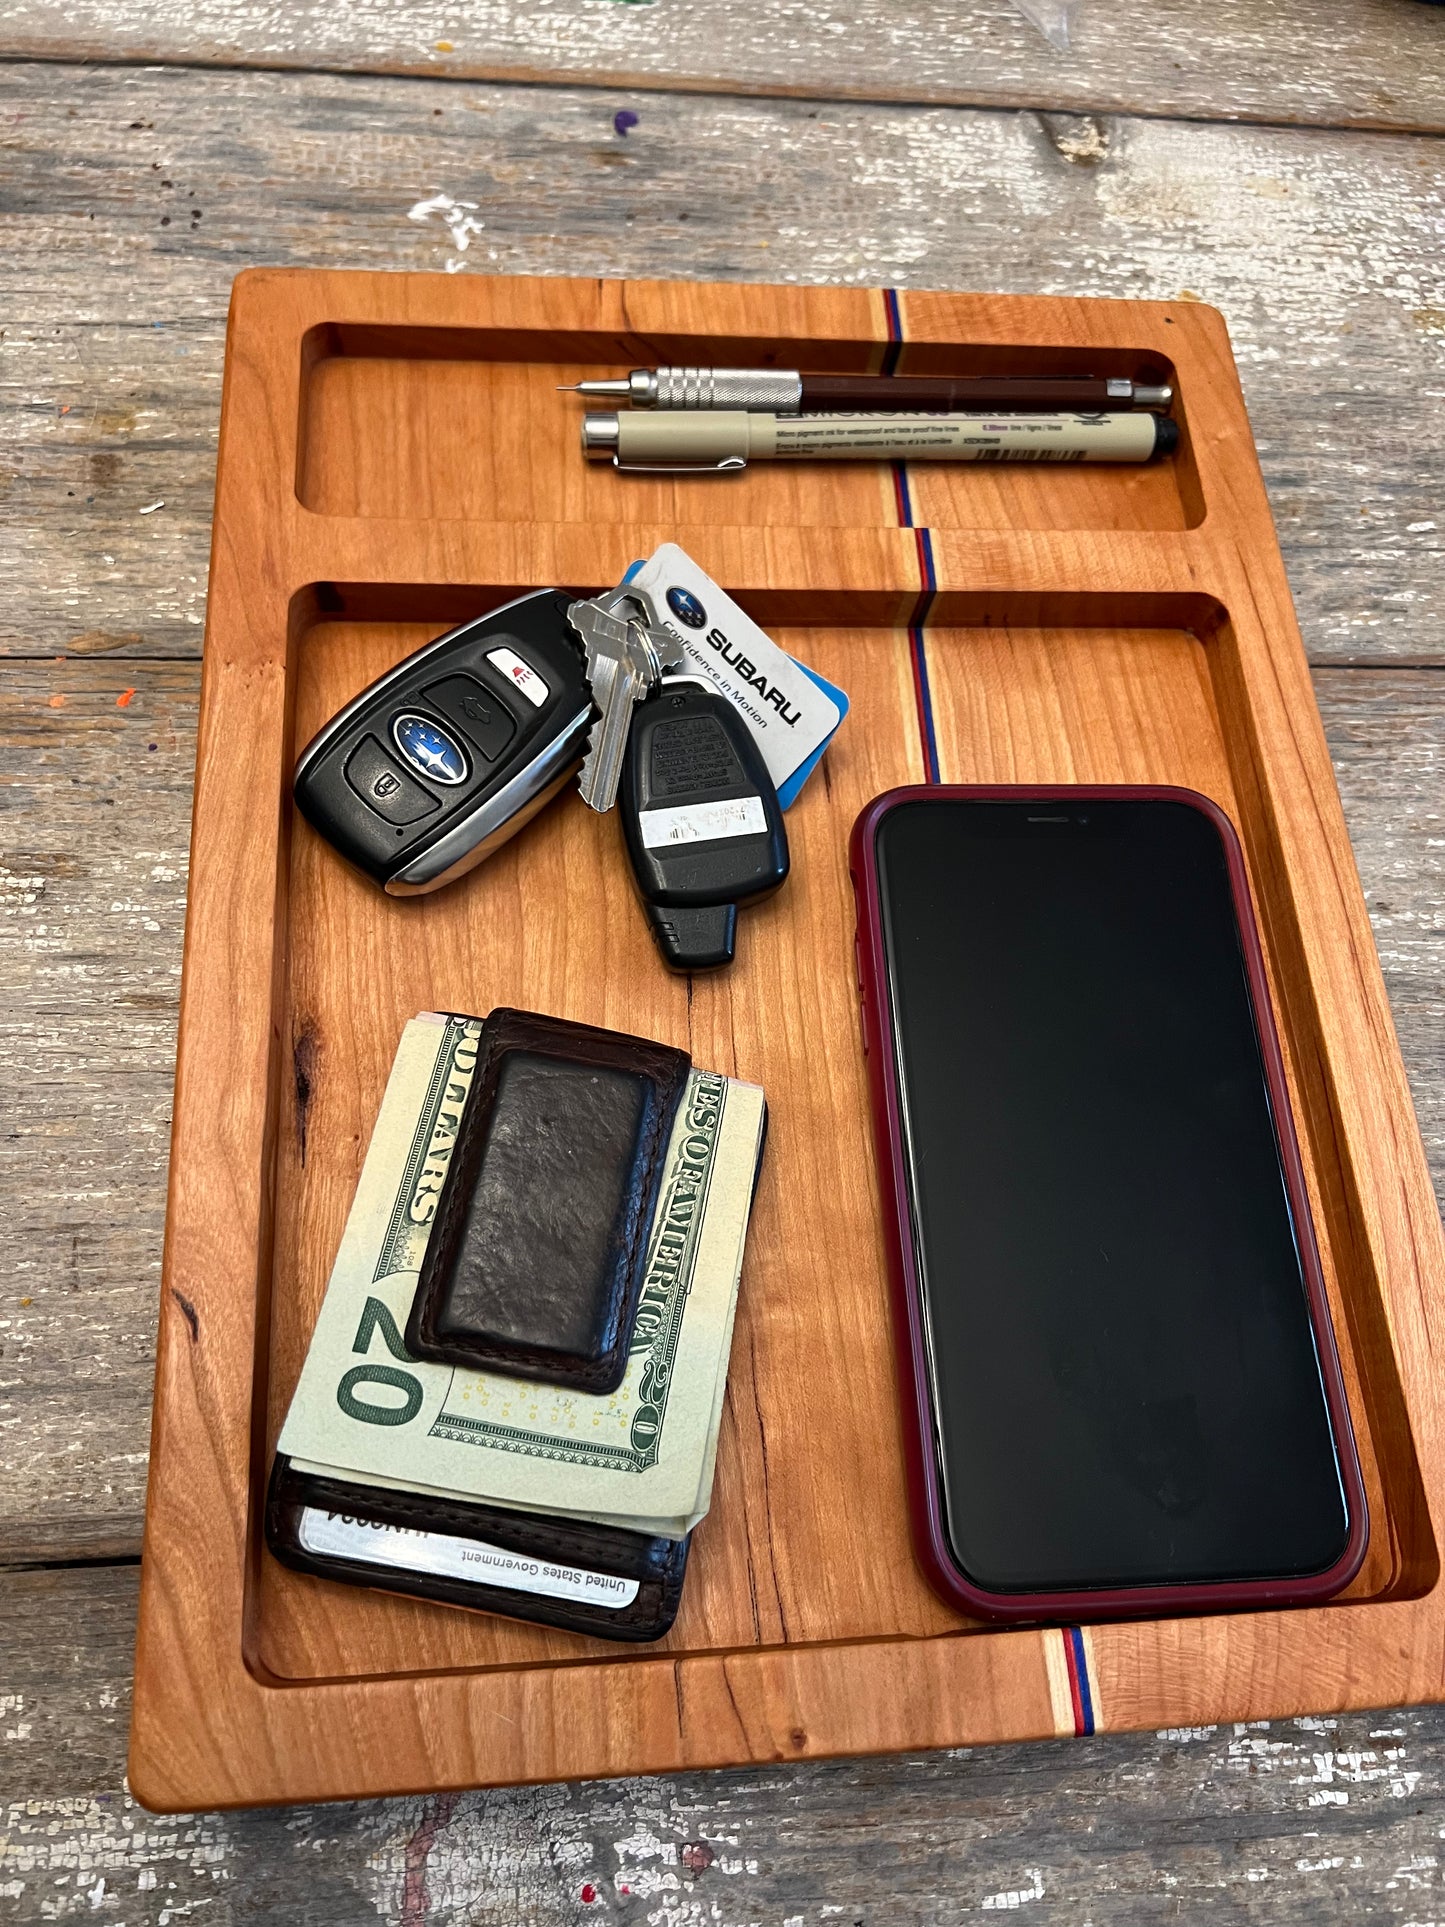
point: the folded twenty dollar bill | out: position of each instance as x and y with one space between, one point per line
640 1458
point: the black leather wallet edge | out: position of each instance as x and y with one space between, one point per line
665 1071
659 1565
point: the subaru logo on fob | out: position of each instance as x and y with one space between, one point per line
686 607
428 747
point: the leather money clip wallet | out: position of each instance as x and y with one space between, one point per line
534 1268
537 1255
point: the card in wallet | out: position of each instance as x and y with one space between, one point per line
537 1254
571 1573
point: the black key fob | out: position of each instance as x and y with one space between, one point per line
443 758
701 818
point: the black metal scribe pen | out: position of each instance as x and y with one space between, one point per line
783 391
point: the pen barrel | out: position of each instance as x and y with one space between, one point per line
670 438
964 438
894 393
721 438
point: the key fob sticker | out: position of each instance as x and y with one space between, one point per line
703 822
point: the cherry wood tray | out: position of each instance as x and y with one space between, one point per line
394 457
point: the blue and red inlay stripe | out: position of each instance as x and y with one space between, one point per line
928 577
895 332
1076 1660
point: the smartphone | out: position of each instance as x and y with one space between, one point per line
1120 1384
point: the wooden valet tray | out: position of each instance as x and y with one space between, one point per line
394 457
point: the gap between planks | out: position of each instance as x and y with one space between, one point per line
1045 106
1299 62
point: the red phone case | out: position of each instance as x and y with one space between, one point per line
924 1481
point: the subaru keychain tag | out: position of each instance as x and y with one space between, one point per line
792 712
447 755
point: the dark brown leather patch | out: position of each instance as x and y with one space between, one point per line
536 1258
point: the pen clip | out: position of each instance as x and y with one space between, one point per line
729 465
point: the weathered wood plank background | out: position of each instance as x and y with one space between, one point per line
129 196
1374 63
133 197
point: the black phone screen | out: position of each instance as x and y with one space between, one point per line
1125 1380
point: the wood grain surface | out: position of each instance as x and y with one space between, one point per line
133 198
1057 639
110 342
1376 63
90 946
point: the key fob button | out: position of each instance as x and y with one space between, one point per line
476 711
520 675
384 786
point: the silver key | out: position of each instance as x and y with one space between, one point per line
627 650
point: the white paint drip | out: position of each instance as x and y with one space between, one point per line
473 1859
1014 1897
19 892
1358 1768
1250 1753
91 1842
459 218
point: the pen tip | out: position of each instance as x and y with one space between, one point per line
568 387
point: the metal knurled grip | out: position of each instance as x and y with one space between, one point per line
762 389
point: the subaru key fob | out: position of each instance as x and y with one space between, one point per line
444 757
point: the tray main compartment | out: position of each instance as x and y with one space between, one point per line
1031 629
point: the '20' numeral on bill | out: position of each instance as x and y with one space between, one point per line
376 1318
